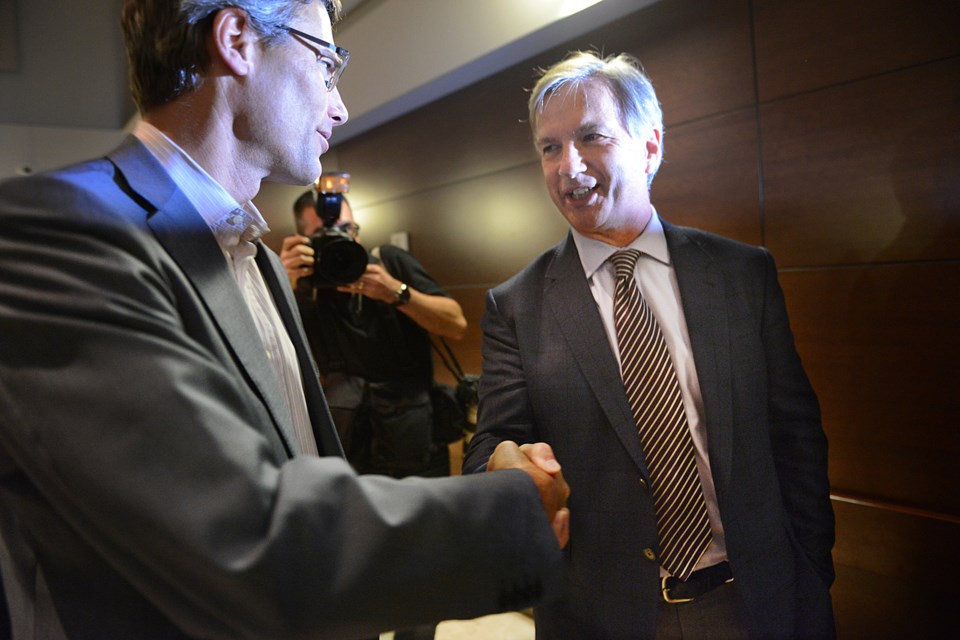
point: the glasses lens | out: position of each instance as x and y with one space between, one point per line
340 63
348 227
336 57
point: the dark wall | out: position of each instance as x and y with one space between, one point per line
826 130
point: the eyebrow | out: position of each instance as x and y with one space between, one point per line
590 127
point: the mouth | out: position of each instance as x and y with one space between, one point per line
581 194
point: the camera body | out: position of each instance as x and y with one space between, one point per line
338 259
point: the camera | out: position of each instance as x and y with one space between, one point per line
338 259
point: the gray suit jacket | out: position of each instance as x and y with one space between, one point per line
150 485
549 375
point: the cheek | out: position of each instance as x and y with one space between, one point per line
550 173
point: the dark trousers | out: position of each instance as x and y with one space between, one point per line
713 616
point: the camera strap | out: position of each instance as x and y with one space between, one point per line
449 360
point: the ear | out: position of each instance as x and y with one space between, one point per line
233 41
654 151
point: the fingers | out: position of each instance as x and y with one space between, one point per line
541 454
291 241
551 485
297 256
561 526
355 287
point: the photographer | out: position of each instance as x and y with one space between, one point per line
370 336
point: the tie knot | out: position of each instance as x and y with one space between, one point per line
625 261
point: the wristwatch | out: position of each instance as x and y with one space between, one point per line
403 295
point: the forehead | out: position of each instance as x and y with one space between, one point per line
313 19
575 106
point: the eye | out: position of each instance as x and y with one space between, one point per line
328 65
549 149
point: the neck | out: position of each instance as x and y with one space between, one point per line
193 123
623 234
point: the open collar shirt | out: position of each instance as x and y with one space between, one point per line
237 229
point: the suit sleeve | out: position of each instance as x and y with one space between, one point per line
504 409
797 438
128 440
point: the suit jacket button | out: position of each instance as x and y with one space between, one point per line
649 554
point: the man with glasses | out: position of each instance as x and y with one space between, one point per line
168 465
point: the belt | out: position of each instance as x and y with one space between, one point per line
700 582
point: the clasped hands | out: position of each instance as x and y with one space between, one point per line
538 461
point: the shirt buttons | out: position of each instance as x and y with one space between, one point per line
649 554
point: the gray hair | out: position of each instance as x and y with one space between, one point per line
623 74
166 40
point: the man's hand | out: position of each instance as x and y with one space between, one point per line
297 257
538 461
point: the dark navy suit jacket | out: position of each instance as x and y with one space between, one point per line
549 375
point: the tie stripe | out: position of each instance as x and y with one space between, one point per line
653 390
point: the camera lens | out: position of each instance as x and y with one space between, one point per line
337 258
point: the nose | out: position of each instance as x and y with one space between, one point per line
336 108
571 162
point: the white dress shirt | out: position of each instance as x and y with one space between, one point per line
237 229
658 284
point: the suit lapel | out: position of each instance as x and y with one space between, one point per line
703 294
568 297
185 236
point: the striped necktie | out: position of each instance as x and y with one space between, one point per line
653 390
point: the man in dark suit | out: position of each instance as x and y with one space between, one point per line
168 466
553 349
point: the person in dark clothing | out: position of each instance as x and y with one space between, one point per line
371 341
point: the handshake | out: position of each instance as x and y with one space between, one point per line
538 461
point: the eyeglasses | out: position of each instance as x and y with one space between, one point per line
334 58
349 227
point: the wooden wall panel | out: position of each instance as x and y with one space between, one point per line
697 52
442 142
467 350
477 232
881 347
867 171
808 44
895 573
709 176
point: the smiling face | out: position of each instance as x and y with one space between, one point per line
291 115
595 170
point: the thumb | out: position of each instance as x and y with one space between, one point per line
541 454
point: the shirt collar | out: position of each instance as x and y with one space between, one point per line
594 253
229 221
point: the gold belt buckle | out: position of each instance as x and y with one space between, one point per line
665 592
